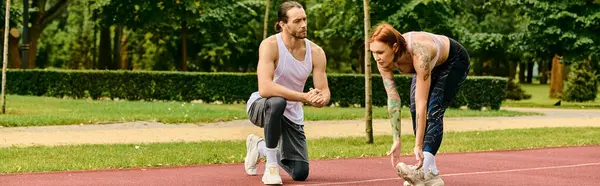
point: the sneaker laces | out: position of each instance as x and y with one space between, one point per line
418 172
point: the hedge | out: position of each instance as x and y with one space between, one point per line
347 90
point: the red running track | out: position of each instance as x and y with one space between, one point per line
551 166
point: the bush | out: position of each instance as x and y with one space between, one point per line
515 92
582 84
347 90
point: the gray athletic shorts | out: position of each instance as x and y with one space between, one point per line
292 144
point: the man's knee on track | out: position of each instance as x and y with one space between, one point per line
298 169
300 174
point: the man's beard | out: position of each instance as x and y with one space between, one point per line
297 35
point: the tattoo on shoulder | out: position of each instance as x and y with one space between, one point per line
421 50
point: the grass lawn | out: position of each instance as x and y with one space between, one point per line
539 98
90 157
43 111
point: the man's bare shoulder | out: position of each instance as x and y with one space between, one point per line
268 48
269 42
316 49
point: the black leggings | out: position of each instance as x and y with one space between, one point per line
446 80
293 154
274 116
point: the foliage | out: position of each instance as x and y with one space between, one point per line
338 23
583 83
15 13
222 34
67 42
515 92
491 34
566 28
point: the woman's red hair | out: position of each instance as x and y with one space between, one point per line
385 33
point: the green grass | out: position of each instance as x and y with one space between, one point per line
540 99
90 157
43 111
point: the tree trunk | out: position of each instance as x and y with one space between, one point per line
104 56
368 91
512 70
544 71
487 66
361 60
117 46
124 61
522 69
41 19
556 81
5 56
184 32
34 35
95 41
14 57
530 72
265 26
480 67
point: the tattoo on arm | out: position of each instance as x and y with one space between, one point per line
422 52
388 83
390 86
394 110
393 106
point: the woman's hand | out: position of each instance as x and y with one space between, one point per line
394 152
419 156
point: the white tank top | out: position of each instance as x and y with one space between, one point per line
292 74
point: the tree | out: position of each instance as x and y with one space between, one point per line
492 36
15 14
155 15
583 83
556 81
563 28
40 18
336 23
5 55
220 22
68 41
267 4
368 87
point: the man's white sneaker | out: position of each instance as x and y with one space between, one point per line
252 154
271 175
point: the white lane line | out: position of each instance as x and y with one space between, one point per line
462 174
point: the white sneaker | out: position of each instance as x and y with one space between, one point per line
429 179
410 174
433 179
271 175
252 154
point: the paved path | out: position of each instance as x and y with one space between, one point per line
552 166
144 132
